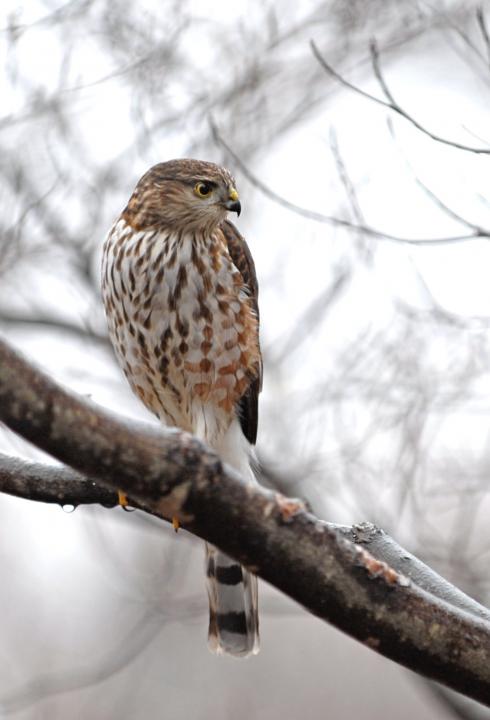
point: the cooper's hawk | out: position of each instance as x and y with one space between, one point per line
180 294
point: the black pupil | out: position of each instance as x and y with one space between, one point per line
204 188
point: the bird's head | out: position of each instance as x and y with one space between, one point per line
183 195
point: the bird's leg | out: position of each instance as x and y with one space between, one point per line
176 523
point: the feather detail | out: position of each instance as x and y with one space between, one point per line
233 606
232 590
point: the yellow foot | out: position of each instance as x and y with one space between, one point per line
122 498
175 523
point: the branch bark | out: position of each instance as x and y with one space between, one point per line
170 473
51 484
61 485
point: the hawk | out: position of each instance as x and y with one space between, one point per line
180 295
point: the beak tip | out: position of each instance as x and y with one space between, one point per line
234 206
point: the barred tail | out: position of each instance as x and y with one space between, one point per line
233 606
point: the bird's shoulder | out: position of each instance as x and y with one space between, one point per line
243 261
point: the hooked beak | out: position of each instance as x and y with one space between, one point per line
233 203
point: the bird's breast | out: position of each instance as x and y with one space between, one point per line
181 321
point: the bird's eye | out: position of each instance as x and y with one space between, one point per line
203 189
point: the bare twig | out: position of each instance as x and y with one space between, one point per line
450 212
390 103
49 322
345 179
330 219
482 24
365 248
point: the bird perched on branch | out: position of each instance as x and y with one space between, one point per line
180 295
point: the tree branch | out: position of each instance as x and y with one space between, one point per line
390 103
331 219
43 320
480 17
171 473
61 485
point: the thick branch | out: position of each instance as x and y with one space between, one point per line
63 486
171 473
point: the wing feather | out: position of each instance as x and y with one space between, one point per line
243 261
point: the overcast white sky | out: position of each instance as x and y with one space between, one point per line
293 256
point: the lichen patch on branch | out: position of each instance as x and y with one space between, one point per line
380 569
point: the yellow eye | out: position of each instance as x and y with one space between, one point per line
203 189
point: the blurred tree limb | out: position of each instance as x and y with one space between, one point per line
389 102
474 234
416 622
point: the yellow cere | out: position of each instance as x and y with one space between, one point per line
233 194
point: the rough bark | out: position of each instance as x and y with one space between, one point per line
169 473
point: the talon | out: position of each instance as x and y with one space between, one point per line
175 523
122 498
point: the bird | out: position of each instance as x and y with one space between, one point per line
180 294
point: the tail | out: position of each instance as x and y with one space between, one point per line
233 606
232 590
